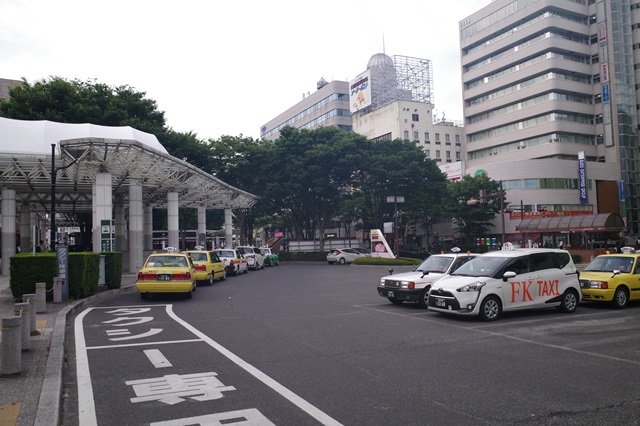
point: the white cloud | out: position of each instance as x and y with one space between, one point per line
226 68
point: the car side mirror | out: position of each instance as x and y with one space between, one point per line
507 275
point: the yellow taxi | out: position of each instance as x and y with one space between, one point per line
613 278
208 266
167 273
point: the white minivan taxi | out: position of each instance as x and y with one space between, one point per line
509 280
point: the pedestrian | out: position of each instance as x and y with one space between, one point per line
561 243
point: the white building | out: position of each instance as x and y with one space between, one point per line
550 104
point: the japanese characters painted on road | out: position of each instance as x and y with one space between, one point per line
379 245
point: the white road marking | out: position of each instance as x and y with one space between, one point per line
128 345
298 401
86 405
157 359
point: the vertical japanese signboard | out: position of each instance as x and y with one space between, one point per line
582 178
62 261
107 235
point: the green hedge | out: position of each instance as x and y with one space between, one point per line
25 270
400 261
315 256
113 269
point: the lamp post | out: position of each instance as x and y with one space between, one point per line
395 199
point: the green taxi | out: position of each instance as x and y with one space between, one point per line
270 257
613 278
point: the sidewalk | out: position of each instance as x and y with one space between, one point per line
33 397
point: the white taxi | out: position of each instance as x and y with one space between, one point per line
509 280
414 286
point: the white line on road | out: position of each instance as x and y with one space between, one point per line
297 400
157 359
86 406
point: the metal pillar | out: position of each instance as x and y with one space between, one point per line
25 228
228 228
102 206
148 228
172 219
8 227
202 227
121 225
136 219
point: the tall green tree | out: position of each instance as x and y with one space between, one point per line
474 203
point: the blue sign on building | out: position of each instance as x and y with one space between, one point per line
605 92
622 195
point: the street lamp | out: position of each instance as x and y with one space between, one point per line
395 199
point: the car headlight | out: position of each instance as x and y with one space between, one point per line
598 284
381 282
472 287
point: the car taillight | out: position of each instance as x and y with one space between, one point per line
145 277
200 268
185 276
233 262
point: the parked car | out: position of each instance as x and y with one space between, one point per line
613 278
271 258
208 266
235 262
167 273
414 252
254 258
362 250
509 280
414 286
344 255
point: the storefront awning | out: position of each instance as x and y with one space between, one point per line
604 222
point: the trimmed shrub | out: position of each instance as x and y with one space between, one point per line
113 269
576 258
400 261
25 270
84 274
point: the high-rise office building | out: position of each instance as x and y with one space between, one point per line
551 101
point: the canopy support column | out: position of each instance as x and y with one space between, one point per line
228 228
102 207
25 228
202 227
136 219
8 227
148 228
172 219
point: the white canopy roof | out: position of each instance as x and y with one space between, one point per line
83 150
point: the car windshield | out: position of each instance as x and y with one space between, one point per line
610 264
435 264
226 253
481 266
265 251
198 257
167 261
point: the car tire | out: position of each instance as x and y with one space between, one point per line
144 296
395 301
189 294
620 298
569 302
424 298
342 261
211 279
224 274
246 270
330 263
490 308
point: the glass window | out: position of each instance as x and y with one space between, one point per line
426 137
415 117
406 134
437 137
415 136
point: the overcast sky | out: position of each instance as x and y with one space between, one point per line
227 67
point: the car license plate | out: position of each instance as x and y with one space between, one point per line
441 303
163 277
390 294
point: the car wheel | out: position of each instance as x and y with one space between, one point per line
395 301
189 294
224 274
342 261
246 270
620 298
424 298
211 279
569 301
144 296
490 308
330 263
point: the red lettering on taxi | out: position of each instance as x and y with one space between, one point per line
518 288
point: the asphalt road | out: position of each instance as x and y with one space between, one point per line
307 344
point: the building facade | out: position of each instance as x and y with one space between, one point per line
6 85
328 106
550 105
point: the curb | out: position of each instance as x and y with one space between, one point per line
51 394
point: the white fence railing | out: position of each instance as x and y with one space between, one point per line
307 246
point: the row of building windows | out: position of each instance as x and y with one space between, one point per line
427 137
334 97
532 142
529 42
324 117
585 99
439 158
493 18
528 83
543 183
531 122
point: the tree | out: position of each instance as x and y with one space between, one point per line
474 202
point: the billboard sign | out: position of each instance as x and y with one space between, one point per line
582 178
360 92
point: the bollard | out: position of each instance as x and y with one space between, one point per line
30 298
10 358
41 298
22 310
57 289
